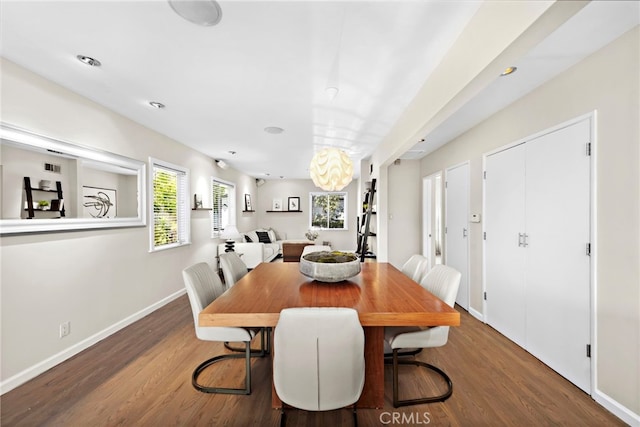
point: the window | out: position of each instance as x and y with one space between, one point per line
170 204
223 197
328 211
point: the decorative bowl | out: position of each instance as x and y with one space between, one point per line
331 266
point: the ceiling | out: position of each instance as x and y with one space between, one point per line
597 24
268 64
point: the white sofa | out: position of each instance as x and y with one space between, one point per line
255 252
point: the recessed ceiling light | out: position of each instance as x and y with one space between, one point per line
158 105
273 129
200 12
89 60
509 70
231 152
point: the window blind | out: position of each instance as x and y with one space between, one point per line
171 222
222 206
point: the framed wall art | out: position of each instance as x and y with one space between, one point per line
98 202
294 204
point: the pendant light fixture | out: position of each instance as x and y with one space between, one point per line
331 169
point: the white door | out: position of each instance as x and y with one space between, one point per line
457 227
558 266
504 251
427 232
537 270
429 217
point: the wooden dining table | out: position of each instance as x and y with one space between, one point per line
381 294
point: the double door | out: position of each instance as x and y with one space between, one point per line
537 243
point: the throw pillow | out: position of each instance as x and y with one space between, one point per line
263 237
247 239
252 235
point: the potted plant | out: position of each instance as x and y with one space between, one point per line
311 235
43 204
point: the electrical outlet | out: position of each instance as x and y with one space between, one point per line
65 329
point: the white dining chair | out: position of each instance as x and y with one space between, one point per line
318 360
233 268
443 282
204 286
415 267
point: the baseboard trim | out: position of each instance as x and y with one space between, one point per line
620 411
41 367
475 313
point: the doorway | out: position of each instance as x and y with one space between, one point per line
432 218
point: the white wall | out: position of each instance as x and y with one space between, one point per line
615 94
98 280
244 185
296 224
404 211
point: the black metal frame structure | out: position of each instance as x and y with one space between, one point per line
248 354
396 361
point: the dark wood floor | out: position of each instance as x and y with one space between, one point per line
141 377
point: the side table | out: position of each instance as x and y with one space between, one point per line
291 252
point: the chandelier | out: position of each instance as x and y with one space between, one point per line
331 169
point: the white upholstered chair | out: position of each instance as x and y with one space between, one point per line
203 286
318 360
443 282
233 268
415 267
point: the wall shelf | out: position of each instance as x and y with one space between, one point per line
29 190
364 230
248 211
283 211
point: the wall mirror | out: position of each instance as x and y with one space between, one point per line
51 185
